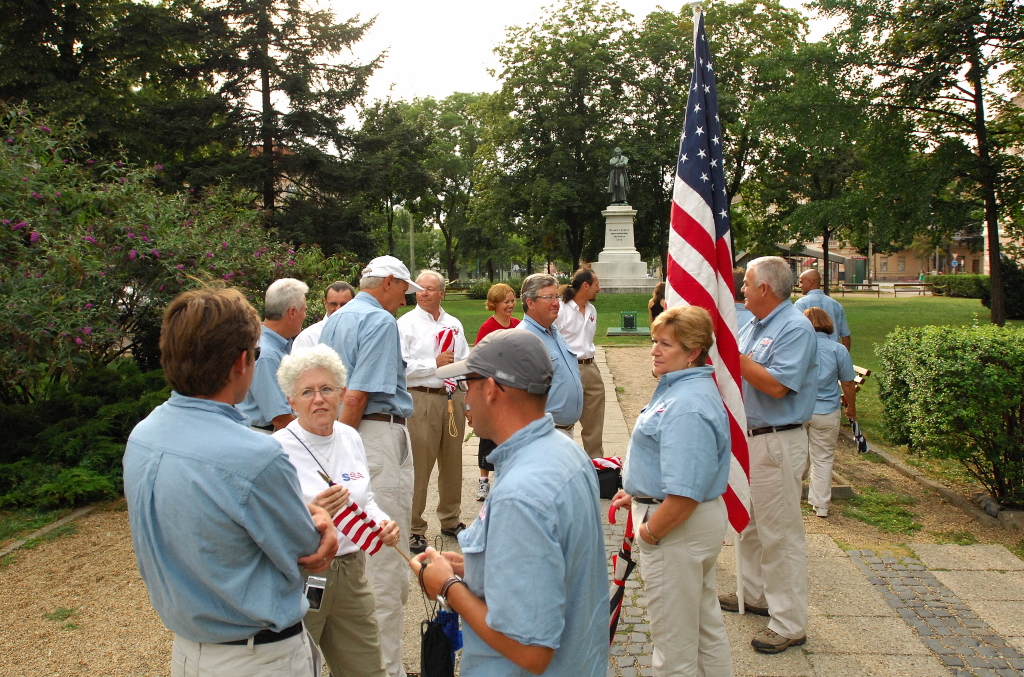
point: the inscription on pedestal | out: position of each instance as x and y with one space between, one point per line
619 235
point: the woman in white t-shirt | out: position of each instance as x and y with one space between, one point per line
345 627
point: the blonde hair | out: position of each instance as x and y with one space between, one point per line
689 325
496 295
320 356
820 319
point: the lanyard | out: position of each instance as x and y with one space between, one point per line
325 473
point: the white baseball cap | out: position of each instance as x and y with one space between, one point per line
382 266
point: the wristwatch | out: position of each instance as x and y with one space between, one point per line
442 595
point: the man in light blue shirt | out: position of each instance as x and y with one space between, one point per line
284 310
535 594
540 304
779 364
217 519
814 297
377 403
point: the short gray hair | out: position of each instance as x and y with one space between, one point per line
340 286
437 276
370 281
775 272
534 284
283 294
320 356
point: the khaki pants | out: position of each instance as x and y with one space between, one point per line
773 546
592 418
391 478
679 576
345 627
432 442
822 435
290 657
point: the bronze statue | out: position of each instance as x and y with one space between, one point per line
618 180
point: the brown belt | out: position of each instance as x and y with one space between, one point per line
432 391
754 432
586 360
386 418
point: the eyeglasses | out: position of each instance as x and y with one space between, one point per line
464 383
546 297
325 392
255 353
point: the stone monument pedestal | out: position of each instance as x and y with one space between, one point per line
619 267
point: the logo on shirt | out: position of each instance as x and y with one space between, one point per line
593 318
766 341
351 476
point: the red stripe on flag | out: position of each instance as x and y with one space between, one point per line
693 232
738 515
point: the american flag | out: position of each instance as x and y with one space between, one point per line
700 256
359 528
446 342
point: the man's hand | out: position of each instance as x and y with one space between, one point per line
622 500
321 559
447 357
388 532
437 570
332 499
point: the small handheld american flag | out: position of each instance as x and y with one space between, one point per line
357 526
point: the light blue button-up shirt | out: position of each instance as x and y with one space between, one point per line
816 298
536 556
785 345
366 336
265 401
834 365
217 522
565 399
743 316
681 441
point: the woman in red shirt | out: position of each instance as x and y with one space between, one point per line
501 300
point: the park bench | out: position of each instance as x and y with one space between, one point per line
861 377
861 287
920 287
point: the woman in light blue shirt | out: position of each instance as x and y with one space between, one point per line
835 369
676 471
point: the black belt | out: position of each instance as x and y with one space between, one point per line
386 418
565 427
754 432
268 636
265 427
585 360
646 500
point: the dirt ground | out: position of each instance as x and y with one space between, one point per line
634 384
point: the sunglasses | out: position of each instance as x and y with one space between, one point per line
464 383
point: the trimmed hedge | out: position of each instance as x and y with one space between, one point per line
958 392
961 286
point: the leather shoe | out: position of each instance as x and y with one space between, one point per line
769 641
731 603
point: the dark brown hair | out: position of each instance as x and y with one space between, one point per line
659 292
737 283
582 276
202 334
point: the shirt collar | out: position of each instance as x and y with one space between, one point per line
816 292
186 402
368 298
273 336
775 313
428 316
674 377
527 318
525 435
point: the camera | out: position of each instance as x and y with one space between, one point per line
314 591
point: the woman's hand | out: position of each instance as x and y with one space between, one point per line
332 499
388 532
437 570
622 500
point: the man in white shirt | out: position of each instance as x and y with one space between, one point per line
335 297
577 322
431 338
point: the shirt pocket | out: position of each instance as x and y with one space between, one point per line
649 423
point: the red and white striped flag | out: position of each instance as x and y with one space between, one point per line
359 528
446 342
700 256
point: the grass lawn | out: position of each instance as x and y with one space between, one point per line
871 319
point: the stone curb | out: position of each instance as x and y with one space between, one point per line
951 496
81 512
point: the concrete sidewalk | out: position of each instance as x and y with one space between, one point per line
954 610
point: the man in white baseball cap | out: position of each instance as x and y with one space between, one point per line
377 403
550 616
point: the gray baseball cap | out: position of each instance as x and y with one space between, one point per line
513 357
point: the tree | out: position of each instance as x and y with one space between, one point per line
563 89
939 60
741 35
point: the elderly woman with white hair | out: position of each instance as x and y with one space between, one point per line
345 627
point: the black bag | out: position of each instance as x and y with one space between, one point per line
435 651
609 481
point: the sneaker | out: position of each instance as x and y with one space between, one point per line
769 641
417 544
455 530
821 512
731 603
483 489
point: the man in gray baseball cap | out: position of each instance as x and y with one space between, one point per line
550 616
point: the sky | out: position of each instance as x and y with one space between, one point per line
446 46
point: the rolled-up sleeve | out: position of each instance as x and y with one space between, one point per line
525 585
377 368
265 391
